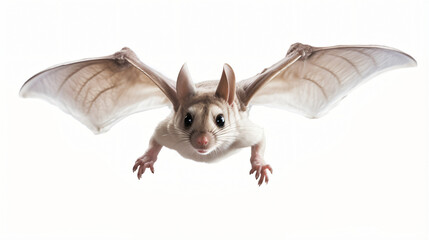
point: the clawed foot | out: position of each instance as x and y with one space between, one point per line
260 169
143 162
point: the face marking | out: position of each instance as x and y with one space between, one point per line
204 114
204 118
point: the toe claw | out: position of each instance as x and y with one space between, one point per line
141 171
258 172
261 173
142 163
261 180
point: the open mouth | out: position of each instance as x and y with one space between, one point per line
203 151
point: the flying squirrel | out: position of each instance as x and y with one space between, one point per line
209 120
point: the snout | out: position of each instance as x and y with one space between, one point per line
202 142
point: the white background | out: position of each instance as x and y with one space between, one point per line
360 172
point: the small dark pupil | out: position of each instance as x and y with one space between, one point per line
188 120
220 121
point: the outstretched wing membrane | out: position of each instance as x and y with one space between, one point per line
311 80
101 91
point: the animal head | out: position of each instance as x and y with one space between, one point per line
204 117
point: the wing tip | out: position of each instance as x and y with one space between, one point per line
22 93
24 90
412 62
407 61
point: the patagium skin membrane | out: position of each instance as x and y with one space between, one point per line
209 120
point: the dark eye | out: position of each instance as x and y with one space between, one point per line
220 121
188 120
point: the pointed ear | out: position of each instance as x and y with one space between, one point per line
185 87
226 87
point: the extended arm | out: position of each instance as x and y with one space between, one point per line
251 135
148 159
258 163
